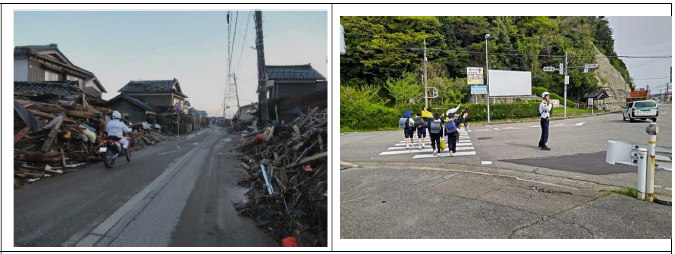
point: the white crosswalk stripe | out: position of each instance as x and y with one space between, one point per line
464 147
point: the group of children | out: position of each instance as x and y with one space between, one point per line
437 126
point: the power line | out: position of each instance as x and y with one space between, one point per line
652 78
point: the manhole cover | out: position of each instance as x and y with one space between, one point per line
484 138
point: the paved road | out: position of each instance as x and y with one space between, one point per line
508 189
578 141
145 202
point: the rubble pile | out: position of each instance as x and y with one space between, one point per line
58 129
239 126
286 169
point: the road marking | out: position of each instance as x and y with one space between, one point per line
580 124
423 150
423 156
486 162
534 126
511 128
496 129
102 229
178 149
402 146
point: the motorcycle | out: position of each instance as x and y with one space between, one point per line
111 149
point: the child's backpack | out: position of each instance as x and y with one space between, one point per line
450 126
419 121
435 127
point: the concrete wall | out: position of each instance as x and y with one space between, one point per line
20 69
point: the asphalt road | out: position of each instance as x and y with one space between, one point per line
578 141
142 202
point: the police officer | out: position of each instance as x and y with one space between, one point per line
545 115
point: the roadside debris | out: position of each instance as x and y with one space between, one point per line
287 176
56 132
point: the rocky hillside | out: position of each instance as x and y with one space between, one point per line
611 79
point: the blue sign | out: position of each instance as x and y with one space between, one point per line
478 89
177 108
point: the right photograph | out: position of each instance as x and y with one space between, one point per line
486 127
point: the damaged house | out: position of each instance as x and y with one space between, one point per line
154 101
298 87
46 63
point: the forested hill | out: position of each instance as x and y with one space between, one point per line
379 48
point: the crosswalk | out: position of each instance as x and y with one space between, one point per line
464 148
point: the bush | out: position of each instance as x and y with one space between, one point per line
554 96
362 109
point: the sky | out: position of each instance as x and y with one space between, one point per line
191 46
645 36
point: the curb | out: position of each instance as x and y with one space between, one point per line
552 119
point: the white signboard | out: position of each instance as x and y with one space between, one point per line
509 83
590 101
555 103
474 75
567 80
343 49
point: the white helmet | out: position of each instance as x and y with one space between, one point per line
544 94
116 115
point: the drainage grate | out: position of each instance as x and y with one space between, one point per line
484 138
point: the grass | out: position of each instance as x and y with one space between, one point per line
627 192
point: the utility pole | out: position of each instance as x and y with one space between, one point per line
236 91
566 81
262 76
424 79
487 80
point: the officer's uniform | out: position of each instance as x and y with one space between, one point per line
545 114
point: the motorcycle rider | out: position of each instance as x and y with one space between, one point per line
117 128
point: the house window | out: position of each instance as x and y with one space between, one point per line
72 78
51 76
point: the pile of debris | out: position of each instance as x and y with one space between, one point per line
239 126
58 128
286 169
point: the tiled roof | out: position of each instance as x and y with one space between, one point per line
27 48
292 72
136 101
598 94
64 89
152 86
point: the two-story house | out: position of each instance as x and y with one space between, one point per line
293 80
46 63
162 94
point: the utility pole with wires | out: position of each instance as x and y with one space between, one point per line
424 78
262 76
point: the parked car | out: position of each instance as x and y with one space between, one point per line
642 110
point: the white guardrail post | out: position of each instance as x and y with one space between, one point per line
652 130
642 173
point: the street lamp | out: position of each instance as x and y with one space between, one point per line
487 70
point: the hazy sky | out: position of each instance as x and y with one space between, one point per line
190 46
645 36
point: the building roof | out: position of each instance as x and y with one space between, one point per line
292 72
51 50
638 93
52 53
598 94
136 101
153 86
65 88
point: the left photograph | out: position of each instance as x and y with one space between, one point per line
171 128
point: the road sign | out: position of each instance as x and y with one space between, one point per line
549 69
567 80
474 75
434 92
561 69
592 66
590 101
478 89
177 108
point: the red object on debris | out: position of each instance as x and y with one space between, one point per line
307 168
289 242
259 139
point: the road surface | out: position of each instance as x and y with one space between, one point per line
179 193
500 185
